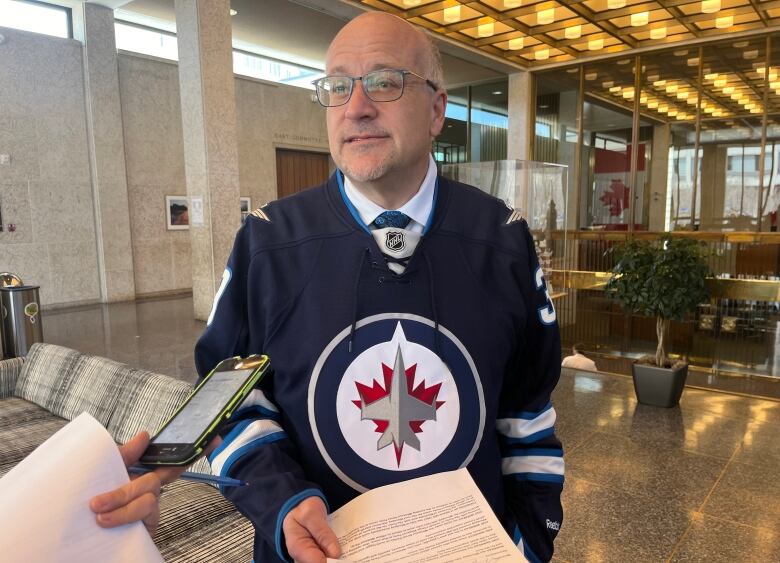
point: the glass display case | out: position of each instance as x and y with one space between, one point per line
537 191
736 332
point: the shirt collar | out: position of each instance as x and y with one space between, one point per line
418 208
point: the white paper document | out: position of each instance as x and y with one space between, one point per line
44 502
438 518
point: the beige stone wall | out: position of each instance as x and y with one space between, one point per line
154 156
267 115
270 116
46 189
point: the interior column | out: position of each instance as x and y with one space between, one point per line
208 107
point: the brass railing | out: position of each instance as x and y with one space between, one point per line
719 288
714 236
729 254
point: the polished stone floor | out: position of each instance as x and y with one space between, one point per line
696 483
156 334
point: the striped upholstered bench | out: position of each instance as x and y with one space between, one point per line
52 385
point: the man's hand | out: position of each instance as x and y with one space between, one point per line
309 538
138 499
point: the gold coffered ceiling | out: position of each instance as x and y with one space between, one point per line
535 32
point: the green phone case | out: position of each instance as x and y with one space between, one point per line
258 363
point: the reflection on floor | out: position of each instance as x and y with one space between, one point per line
723 381
695 483
158 334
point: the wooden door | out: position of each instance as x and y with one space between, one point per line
298 170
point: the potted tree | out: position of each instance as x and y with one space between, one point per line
665 279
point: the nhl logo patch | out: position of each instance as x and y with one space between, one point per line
395 241
390 408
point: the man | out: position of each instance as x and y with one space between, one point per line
404 343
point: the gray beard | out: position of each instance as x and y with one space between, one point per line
369 176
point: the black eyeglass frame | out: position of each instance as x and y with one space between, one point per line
352 80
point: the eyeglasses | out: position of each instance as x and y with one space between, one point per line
386 85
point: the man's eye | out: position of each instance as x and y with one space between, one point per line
339 88
384 84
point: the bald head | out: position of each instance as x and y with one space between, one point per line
383 147
415 43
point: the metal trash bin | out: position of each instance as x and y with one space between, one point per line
21 317
7 279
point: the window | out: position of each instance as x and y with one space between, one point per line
148 41
163 44
490 118
607 143
457 111
256 66
739 162
38 17
543 129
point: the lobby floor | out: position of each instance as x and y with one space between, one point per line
155 334
696 483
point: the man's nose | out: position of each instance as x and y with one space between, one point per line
360 106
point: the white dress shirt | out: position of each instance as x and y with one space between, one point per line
418 209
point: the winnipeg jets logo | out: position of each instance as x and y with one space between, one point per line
395 241
416 406
398 410
389 407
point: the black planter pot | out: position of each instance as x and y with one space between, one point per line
659 387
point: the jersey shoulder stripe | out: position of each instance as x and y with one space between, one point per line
261 214
514 216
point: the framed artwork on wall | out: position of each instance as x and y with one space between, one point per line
177 212
246 207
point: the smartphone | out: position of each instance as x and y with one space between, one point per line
185 434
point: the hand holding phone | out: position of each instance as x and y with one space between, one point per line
137 500
185 434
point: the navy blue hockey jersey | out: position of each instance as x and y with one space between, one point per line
379 377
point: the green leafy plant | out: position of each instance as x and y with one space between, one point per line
663 278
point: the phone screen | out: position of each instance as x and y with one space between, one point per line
203 408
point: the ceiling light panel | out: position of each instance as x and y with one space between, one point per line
545 16
485 27
578 29
710 6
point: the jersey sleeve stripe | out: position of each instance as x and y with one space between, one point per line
227 440
524 428
291 503
533 438
541 477
248 432
517 537
526 415
258 399
547 465
245 449
555 452
255 412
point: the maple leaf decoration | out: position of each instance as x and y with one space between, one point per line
376 392
616 197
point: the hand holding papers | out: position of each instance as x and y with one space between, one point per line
44 501
442 517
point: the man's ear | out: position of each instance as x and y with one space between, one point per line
438 108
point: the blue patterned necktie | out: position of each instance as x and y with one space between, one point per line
394 219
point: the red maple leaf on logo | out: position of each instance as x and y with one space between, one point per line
616 198
422 392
